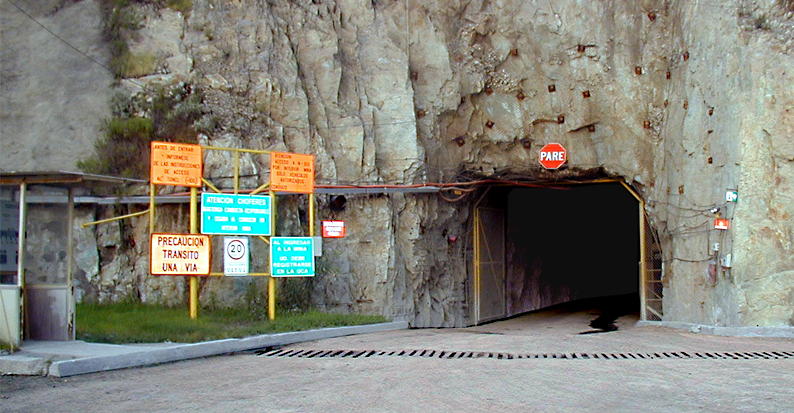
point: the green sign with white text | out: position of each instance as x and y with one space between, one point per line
292 256
227 214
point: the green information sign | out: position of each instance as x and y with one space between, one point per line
227 214
292 256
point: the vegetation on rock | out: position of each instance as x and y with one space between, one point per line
166 114
121 19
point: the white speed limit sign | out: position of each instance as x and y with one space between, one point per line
235 256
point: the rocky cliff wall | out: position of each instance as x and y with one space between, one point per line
681 99
54 91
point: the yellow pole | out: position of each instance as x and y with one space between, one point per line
643 257
151 208
643 270
135 214
477 258
193 230
236 172
210 185
271 282
260 189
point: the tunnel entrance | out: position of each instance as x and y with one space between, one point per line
538 247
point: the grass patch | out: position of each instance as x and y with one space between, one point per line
140 323
183 6
128 64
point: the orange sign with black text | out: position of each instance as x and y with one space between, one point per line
292 172
177 164
180 254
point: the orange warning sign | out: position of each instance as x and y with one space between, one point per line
292 172
180 254
176 164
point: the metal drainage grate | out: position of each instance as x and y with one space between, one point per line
443 354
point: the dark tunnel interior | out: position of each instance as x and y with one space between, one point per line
564 245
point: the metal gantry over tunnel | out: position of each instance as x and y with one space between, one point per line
538 247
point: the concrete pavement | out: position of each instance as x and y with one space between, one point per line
68 358
366 373
552 331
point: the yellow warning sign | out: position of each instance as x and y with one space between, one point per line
292 172
180 254
176 164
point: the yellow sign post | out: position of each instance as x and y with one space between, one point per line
182 165
190 254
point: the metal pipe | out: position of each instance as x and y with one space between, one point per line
102 221
210 185
260 189
193 230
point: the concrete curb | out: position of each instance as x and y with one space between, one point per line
149 356
783 332
23 365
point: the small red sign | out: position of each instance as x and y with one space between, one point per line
333 229
552 156
722 224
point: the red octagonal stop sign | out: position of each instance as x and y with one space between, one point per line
552 156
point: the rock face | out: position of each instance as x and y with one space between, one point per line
55 92
682 100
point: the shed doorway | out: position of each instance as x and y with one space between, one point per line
538 247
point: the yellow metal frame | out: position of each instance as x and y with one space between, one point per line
102 221
194 220
643 266
643 243
477 259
